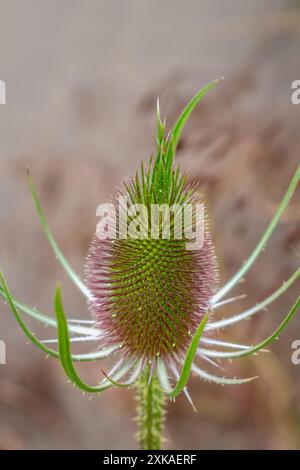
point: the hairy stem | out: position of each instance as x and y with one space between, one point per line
151 412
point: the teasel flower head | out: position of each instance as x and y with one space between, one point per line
149 295
152 297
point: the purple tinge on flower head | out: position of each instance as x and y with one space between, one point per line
149 295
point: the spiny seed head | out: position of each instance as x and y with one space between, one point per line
150 294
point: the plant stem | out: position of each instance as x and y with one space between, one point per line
151 412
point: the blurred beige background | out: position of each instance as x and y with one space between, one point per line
82 80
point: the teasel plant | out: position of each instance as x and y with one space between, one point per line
152 300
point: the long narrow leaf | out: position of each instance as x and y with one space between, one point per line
258 307
224 344
61 258
65 355
163 376
136 374
263 241
190 355
28 333
220 380
46 319
181 121
254 349
31 336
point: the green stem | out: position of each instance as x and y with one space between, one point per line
151 412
